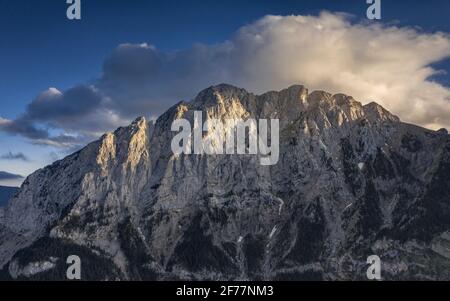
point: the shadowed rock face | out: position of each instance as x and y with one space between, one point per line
352 181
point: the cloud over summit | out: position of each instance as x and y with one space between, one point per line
370 61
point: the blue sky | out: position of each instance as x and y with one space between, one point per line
40 48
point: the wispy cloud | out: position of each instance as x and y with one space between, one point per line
370 61
15 156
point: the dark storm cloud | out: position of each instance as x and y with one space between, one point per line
54 106
56 110
140 80
23 127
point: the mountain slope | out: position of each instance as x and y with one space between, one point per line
352 181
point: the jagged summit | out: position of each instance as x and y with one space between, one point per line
139 121
351 181
376 111
294 91
286 104
212 94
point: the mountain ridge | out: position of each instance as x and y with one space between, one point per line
352 181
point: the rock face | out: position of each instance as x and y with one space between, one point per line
352 181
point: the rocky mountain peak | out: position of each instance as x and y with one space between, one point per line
218 94
139 123
375 111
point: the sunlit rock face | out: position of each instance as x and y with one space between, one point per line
351 181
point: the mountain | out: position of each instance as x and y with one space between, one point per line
352 181
9 176
6 193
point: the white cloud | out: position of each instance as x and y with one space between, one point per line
390 65
372 62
